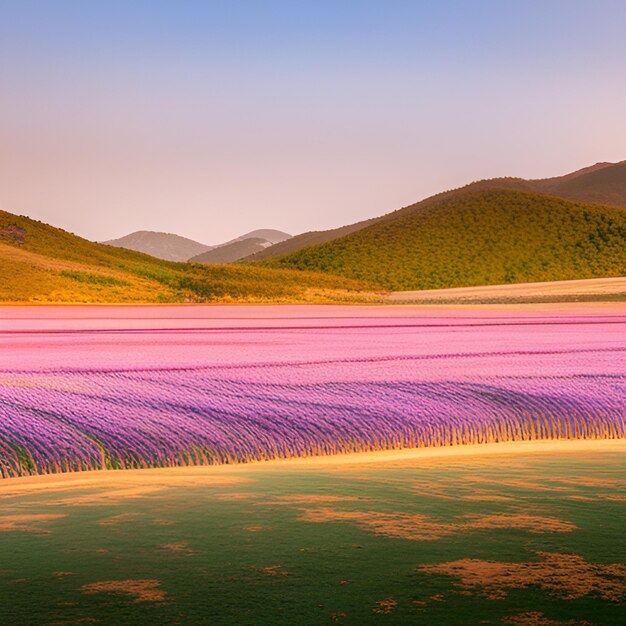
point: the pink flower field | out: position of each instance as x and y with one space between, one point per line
127 387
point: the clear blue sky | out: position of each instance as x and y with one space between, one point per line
216 117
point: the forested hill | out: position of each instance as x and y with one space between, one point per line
476 237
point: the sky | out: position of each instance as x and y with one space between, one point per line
213 118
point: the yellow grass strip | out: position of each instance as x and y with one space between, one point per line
217 475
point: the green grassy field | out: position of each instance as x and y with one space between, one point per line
529 538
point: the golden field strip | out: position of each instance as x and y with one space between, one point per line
172 475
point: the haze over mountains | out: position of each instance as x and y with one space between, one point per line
171 247
498 231
602 183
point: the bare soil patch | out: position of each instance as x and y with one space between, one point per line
143 590
567 576
28 522
418 527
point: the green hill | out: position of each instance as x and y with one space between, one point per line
602 183
476 237
40 263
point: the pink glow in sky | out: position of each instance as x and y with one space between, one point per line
210 119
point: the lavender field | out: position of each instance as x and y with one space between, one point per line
130 387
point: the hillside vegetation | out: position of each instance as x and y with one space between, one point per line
476 238
602 183
40 263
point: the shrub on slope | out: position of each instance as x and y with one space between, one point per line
478 238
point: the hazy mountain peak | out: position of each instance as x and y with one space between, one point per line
242 247
171 247
167 246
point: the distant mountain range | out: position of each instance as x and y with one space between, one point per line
497 231
170 247
602 183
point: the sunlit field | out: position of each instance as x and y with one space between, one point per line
85 388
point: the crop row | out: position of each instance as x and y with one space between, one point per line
77 420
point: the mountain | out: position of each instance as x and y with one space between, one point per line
171 247
476 237
160 245
297 242
602 183
267 234
231 252
241 247
40 263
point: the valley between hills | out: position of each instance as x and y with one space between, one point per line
502 231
